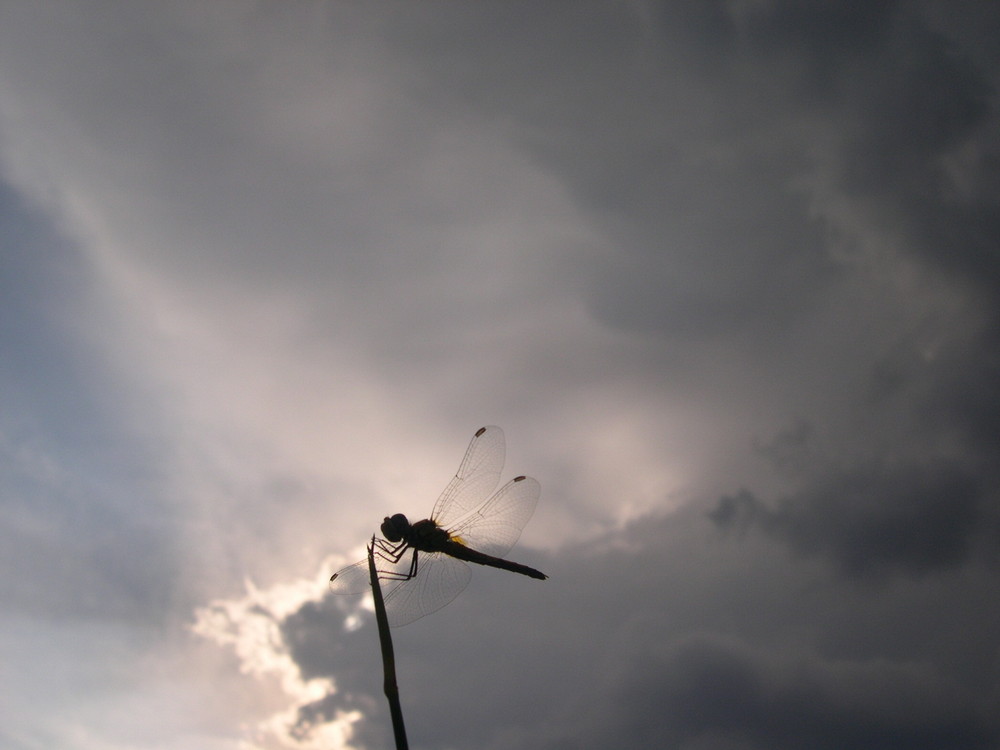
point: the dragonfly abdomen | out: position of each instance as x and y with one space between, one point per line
459 550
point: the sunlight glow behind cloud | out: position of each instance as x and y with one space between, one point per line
249 625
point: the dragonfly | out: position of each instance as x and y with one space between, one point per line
422 566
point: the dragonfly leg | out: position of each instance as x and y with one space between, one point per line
394 575
391 552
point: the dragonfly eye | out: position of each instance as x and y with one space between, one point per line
394 528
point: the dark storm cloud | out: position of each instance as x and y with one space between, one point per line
884 100
906 97
913 107
873 519
896 100
710 119
720 693
667 635
321 647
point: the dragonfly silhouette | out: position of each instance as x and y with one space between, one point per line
421 564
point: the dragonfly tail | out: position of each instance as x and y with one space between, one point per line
518 568
456 549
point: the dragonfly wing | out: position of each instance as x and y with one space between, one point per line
439 579
354 579
351 580
476 478
495 527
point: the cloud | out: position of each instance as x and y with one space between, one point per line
267 266
872 519
250 626
715 692
692 640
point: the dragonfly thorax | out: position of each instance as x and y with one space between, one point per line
424 535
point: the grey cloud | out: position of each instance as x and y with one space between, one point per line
712 238
181 108
789 228
913 489
69 539
872 519
668 635
922 101
322 647
965 397
717 692
748 269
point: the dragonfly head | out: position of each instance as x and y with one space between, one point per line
394 528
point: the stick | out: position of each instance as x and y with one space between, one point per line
388 658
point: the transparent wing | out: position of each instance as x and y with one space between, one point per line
354 578
476 478
351 580
496 526
492 527
439 579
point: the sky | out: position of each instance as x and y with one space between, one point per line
725 273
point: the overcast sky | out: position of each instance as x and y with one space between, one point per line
726 274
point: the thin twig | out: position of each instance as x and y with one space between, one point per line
388 658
